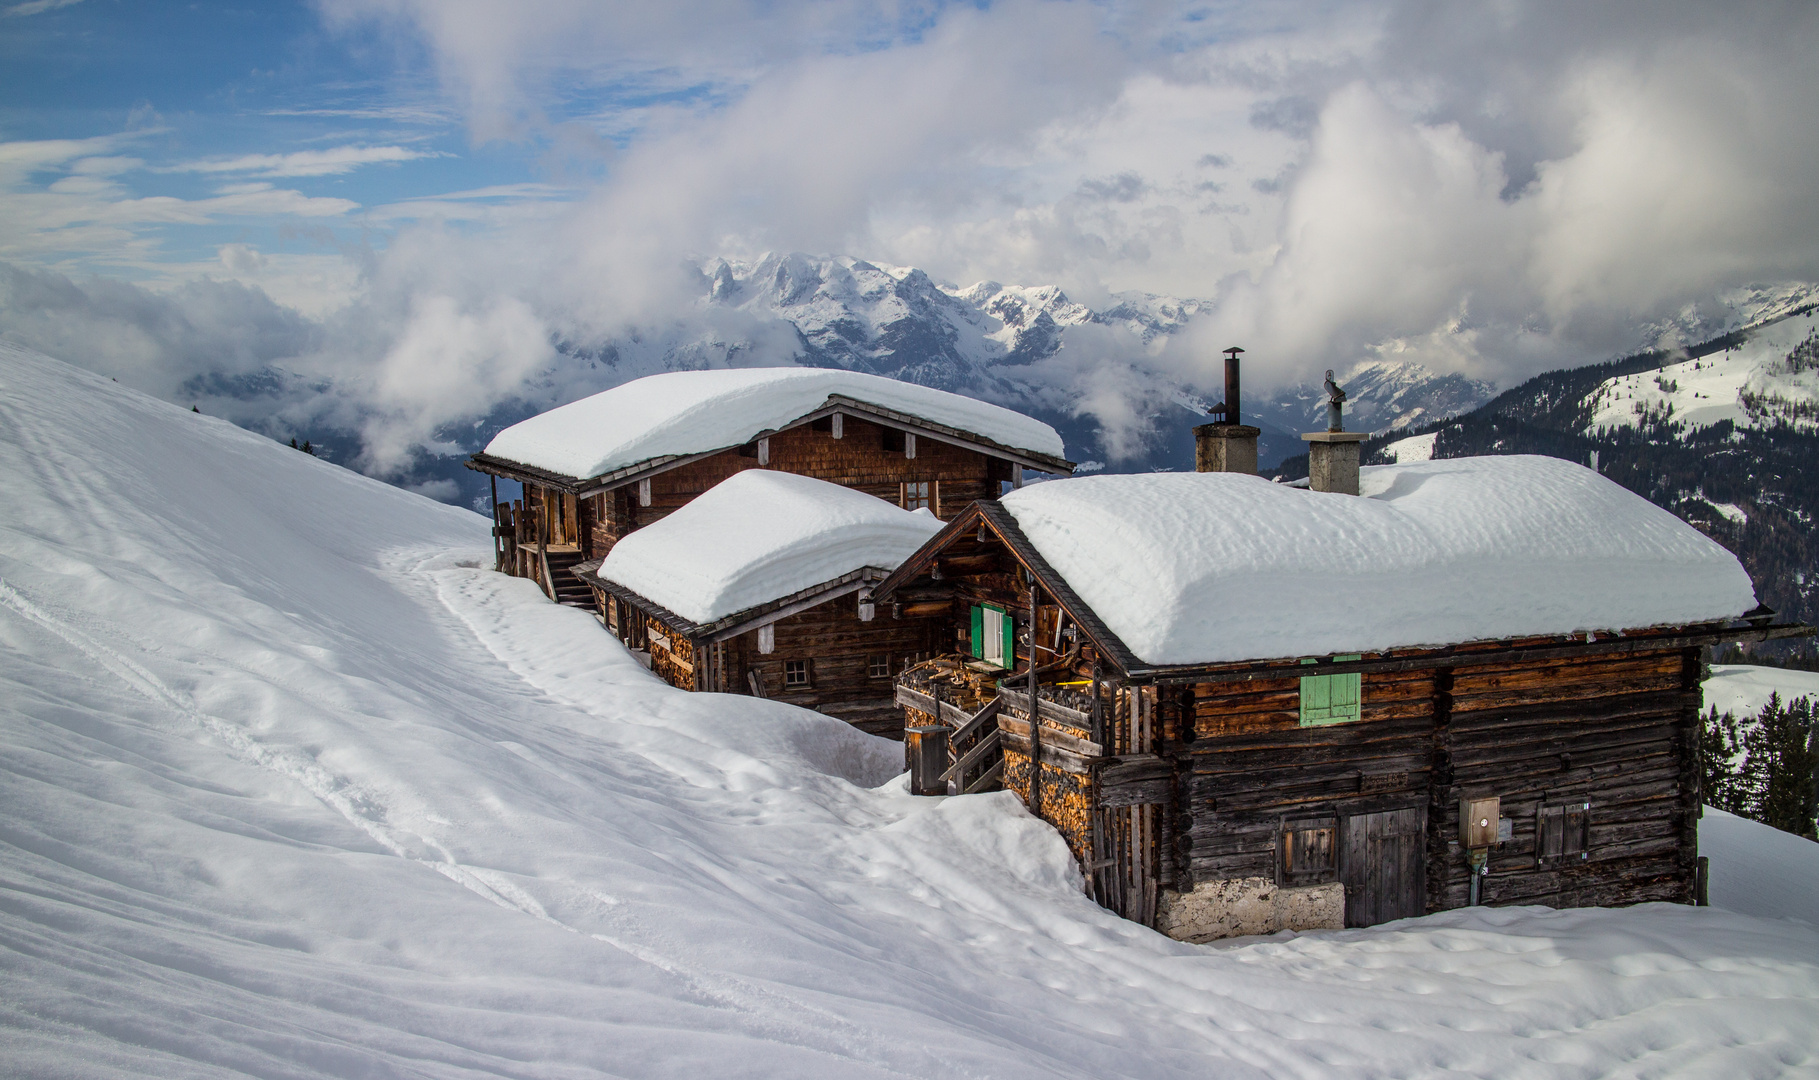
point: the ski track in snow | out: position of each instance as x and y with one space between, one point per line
290 788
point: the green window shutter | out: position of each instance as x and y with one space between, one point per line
1010 641
1331 699
978 632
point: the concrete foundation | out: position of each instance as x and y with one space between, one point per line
1242 906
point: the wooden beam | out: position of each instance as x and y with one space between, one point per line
1020 727
1065 760
1461 657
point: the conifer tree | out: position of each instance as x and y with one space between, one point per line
1720 751
1781 766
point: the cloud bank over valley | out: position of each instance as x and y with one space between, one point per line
414 219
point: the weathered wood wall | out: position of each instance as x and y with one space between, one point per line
859 460
1251 763
839 648
1618 732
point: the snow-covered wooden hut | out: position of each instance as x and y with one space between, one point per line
597 469
752 588
1262 708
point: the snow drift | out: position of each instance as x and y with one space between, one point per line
758 536
1206 567
290 788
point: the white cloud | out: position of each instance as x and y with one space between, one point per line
35 7
1489 190
331 162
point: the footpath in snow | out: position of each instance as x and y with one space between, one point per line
290 786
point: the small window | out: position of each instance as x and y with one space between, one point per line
992 630
878 667
1330 699
1308 852
1561 832
796 675
919 495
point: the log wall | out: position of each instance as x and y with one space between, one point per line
1620 733
837 645
859 460
1617 732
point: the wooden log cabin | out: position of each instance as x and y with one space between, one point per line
753 587
1253 708
595 470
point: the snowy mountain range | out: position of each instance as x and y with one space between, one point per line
1007 344
1028 347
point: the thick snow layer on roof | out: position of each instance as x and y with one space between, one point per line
1211 567
687 412
759 536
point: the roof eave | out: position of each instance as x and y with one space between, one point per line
616 478
1474 653
993 516
751 618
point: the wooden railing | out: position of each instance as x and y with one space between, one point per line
975 747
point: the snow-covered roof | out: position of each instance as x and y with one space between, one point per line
759 536
689 412
1191 568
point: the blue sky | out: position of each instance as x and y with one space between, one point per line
188 101
399 207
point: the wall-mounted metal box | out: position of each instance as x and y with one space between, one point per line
1478 821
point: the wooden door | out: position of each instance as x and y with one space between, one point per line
1382 866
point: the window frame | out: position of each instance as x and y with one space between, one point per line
873 664
1324 866
1574 831
1005 638
808 675
1322 699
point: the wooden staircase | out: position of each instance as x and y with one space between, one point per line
975 748
570 591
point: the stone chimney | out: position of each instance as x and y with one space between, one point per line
1332 460
1227 445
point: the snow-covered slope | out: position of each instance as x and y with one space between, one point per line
1743 689
1411 449
1772 378
1758 870
289 788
